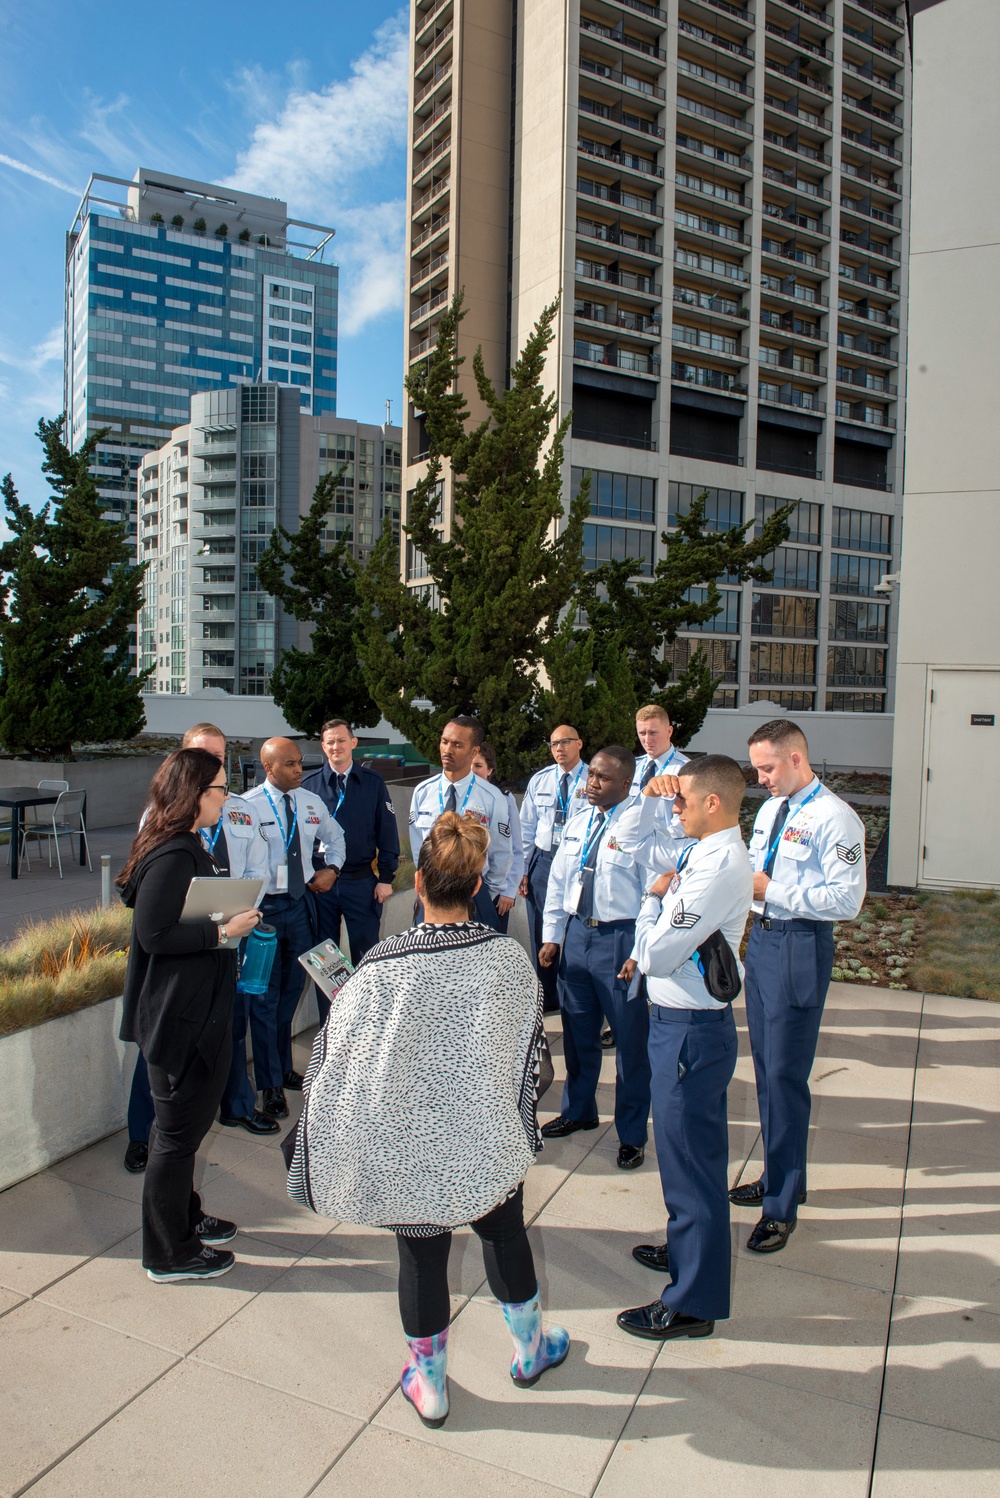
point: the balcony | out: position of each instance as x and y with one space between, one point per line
696 223
709 265
425 272
433 192
607 275
636 244
698 73
639 323
791 106
431 46
719 116
708 343
714 153
866 210
868 106
868 247
796 327
789 250
861 379
708 379
794 183
643 8
862 415
426 126
738 12
623 199
442 71
430 231
423 164
793 38
787 395
800 148
869 75
865 313
621 37
889 17
798 75
788 214
814 13
869 142
623 80
614 114
706 301
713 39
794 362
615 156
609 354
426 308
871 40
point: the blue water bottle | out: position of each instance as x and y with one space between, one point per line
258 960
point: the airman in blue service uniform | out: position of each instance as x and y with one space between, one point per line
591 905
808 857
458 788
292 821
553 796
359 799
692 1047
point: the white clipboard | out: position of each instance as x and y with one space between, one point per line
214 898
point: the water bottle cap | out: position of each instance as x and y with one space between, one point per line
263 929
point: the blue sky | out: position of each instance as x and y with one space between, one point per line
306 102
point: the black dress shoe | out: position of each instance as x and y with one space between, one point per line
257 1123
752 1195
558 1128
607 1040
768 1236
653 1256
136 1156
658 1322
630 1157
293 1081
274 1103
552 1008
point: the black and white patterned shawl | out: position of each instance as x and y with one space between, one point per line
419 1108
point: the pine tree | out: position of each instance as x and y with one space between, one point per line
499 583
319 587
68 603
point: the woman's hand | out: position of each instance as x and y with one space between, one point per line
241 925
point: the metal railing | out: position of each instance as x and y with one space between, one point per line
624 80
601 152
646 49
727 44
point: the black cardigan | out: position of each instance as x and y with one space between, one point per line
179 984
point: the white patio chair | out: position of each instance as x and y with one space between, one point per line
67 821
43 813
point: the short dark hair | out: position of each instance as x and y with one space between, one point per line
623 758
337 723
489 755
778 731
464 721
717 774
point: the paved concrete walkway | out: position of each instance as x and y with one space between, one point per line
865 1359
39 893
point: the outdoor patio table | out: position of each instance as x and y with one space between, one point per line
17 797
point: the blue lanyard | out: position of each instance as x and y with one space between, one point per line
590 839
684 857
342 790
210 843
295 820
564 805
787 823
465 802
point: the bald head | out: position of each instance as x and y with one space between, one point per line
565 744
282 760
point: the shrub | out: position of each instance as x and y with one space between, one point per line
199 226
245 236
178 220
61 965
156 218
222 231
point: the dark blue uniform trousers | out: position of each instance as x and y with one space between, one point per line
272 1013
787 976
539 867
589 989
692 1054
354 901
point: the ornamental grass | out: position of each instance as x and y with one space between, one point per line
61 965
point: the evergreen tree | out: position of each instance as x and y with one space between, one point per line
319 587
481 642
68 602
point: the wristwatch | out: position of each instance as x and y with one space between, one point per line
223 936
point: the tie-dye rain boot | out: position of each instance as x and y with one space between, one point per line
534 1350
423 1379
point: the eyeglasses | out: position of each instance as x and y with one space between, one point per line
224 787
561 743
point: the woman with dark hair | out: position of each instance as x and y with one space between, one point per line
179 990
485 766
419 1112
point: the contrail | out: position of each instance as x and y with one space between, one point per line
21 166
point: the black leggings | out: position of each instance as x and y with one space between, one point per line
424 1303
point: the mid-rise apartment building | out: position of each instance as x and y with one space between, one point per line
718 195
248 458
175 286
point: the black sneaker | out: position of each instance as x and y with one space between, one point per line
208 1265
215 1230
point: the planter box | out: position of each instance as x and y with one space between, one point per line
117 789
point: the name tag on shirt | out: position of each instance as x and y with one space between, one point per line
575 891
557 833
281 879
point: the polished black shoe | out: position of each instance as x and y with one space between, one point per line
607 1040
752 1195
136 1156
293 1081
629 1157
274 1104
257 1123
559 1127
208 1265
551 1008
658 1322
214 1230
652 1256
768 1236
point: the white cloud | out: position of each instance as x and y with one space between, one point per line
31 386
323 150
31 171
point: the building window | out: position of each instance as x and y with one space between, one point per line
793 702
726 697
258 465
278 335
723 507
723 657
726 621
861 530
855 666
218 658
787 665
619 496
614 543
857 575
298 379
300 294
859 621
279 293
278 353
279 313
804 523
301 358
855 702
794 568
304 319
257 492
779 614
258 403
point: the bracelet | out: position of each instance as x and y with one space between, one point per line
223 936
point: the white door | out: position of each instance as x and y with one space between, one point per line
961 842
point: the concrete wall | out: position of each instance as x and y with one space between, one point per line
842 741
116 788
238 717
951 540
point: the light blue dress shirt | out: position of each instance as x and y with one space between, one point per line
315 823
619 877
486 802
541 802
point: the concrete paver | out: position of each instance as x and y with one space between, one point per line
869 1351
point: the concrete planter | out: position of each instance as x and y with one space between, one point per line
117 789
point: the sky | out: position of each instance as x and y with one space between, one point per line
305 102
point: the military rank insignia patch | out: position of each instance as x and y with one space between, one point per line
849 855
684 919
502 827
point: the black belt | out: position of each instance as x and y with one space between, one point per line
357 873
772 923
586 920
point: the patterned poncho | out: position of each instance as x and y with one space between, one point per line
420 1098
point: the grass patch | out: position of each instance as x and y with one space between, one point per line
62 965
959 952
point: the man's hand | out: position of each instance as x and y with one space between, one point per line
662 785
760 883
504 904
547 953
382 892
522 888
322 880
662 884
628 969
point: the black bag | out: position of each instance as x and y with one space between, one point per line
719 968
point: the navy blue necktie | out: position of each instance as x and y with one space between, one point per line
586 905
647 774
781 817
451 800
296 878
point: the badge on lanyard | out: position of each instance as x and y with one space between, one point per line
281 879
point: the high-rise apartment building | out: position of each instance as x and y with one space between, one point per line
248 458
175 286
743 172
